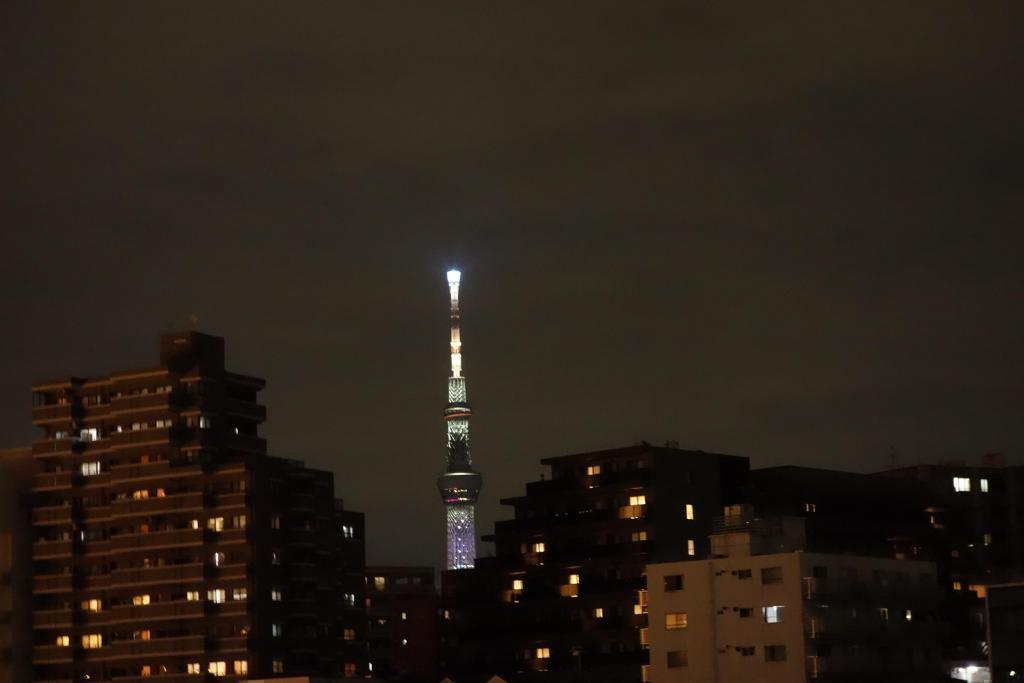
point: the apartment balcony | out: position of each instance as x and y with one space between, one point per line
240 499
46 550
52 515
93 548
240 570
51 654
181 645
156 539
130 439
52 618
246 442
48 448
179 573
302 502
176 502
53 583
840 588
303 537
158 611
143 403
54 413
165 678
246 410
153 470
833 628
48 481
231 644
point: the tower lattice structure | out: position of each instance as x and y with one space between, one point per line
459 484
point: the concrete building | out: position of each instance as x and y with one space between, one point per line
559 600
1004 604
402 635
169 545
16 469
762 609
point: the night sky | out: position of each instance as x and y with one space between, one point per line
791 232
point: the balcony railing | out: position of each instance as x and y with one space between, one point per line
155 505
189 609
53 618
156 539
53 583
160 646
42 550
55 514
51 654
157 575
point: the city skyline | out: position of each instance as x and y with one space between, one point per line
786 235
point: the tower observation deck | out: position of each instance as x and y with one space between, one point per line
459 484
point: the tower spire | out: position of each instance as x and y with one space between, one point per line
459 485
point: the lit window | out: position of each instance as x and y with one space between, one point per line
543 653
957 586
193 668
689 511
276 630
192 595
675 621
89 469
987 539
140 599
599 612
238 522
404 616
978 589
638 536
772 614
638 500
241 667
275 557
348 531
277 666
215 524
810 507
517 584
574 579
142 635
218 559
92 641
93 605
218 668
961 484
63 641
275 594
883 613
145 671
205 423
349 634
350 669
141 494
275 522
379 582
194 524
691 547
89 434
908 615
538 547
239 594
593 470
350 599
161 493
216 595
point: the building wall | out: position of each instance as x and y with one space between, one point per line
16 469
717 635
403 632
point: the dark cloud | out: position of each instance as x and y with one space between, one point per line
790 232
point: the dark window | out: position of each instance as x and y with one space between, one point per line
676 658
774 653
819 572
673 582
743 574
746 651
746 612
771 575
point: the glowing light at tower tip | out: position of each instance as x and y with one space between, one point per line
454 276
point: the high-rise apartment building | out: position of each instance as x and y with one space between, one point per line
169 544
16 469
561 598
763 609
401 606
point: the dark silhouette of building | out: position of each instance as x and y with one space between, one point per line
16 469
403 638
562 599
168 544
1004 604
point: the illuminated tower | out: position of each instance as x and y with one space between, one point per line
459 485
